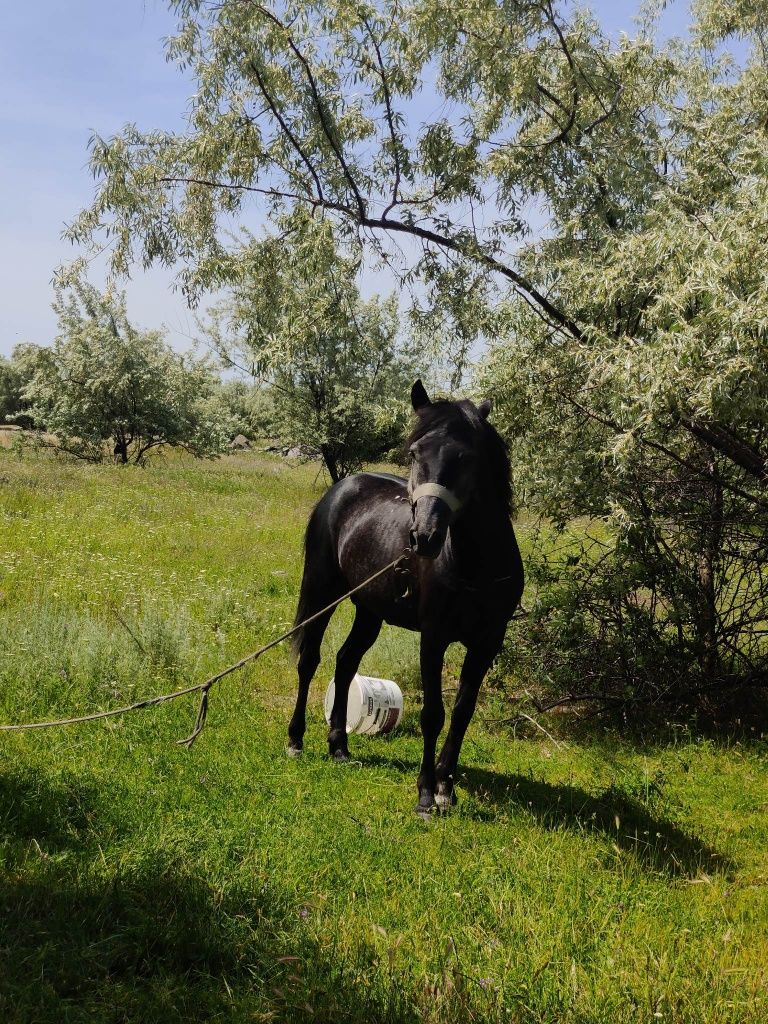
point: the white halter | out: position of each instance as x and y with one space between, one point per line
436 491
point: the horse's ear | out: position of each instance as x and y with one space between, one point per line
419 396
485 408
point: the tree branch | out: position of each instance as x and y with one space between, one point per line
657 446
390 118
387 224
606 113
319 106
286 130
725 442
446 242
571 117
270 193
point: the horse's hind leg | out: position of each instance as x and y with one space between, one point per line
365 630
308 660
321 584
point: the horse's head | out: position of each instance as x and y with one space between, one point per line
446 452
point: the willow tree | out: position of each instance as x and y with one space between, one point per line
604 209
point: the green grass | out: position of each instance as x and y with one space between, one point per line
597 881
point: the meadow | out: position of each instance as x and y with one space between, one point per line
599 878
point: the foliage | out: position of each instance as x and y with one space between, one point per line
453 321
245 408
653 420
105 383
338 376
597 881
14 377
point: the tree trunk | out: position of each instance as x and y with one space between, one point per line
331 463
711 537
121 451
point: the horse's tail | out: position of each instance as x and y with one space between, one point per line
321 582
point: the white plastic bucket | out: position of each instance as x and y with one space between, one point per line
374 706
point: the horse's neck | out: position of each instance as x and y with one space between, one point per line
483 543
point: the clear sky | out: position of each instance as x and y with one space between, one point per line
70 69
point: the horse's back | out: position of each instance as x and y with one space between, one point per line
359 525
359 495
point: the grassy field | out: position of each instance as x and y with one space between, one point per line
599 880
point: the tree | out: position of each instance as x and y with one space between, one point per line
543 112
243 406
337 374
610 203
305 107
106 388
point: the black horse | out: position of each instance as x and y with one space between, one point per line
464 578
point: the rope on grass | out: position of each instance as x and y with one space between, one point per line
204 688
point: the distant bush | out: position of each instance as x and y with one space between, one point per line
243 408
14 377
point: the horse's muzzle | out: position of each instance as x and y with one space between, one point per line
427 545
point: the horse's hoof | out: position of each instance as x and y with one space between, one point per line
445 798
293 751
444 802
425 807
340 756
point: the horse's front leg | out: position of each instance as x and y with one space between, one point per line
432 716
476 663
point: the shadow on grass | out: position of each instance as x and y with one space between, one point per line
125 936
657 843
651 838
54 813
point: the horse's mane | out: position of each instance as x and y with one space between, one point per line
462 420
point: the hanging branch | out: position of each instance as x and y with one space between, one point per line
390 118
320 107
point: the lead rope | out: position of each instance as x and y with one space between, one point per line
204 688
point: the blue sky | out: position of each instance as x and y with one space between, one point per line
70 69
